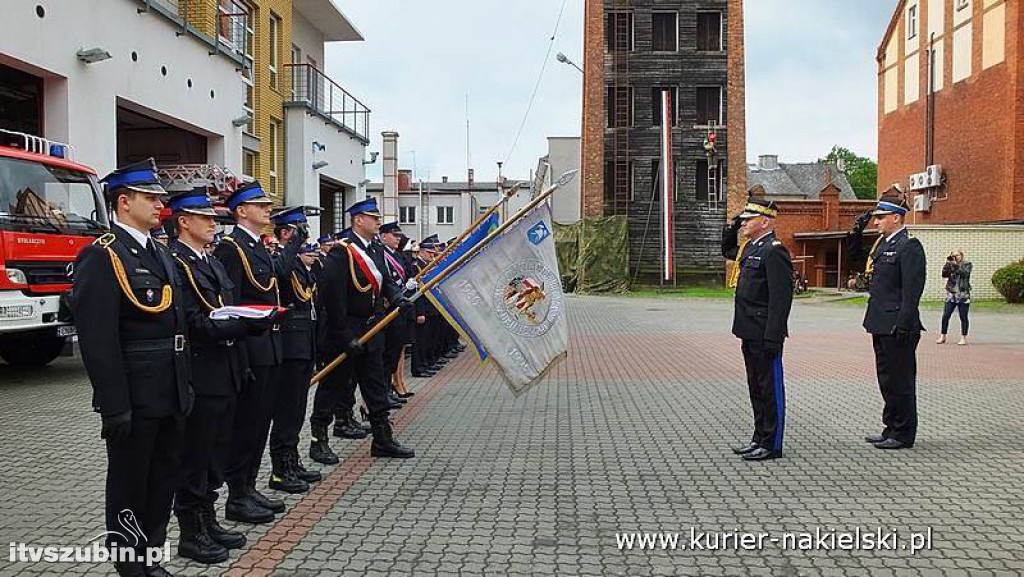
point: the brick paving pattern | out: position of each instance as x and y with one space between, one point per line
630 433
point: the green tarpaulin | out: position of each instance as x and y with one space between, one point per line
593 255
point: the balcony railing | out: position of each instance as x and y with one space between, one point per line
323 95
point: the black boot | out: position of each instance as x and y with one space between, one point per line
227 539
365 417
319 450
243 508
346 427
384 443
300 470
394 402
275 505
195 543
282 477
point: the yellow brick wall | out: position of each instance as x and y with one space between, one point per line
987 247
268 102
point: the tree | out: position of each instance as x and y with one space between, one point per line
860 171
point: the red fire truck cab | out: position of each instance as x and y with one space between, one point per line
50 207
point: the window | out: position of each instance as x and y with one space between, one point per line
296 70
619 106
274 149
709 105
912 21
663 32
248 163
275 48
234 25
709 31
446 215
656 104
407 215
709 189
618 184
618 32
482 209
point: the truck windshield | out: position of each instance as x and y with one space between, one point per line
35 197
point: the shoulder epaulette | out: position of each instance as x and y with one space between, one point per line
344 242
105 240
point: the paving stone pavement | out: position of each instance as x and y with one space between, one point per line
629 434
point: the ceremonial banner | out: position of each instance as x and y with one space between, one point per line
509 295
472 239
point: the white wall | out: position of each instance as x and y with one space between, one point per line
563 156
81 99
988 247
309 40
343 153
462 212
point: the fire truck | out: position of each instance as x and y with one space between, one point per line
50 207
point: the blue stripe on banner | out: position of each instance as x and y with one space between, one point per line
778 381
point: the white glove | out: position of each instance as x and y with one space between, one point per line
411 285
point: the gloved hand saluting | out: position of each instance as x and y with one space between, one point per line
861 222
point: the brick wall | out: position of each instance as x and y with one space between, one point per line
592 144
988 248
979 129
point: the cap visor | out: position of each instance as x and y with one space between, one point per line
748 215
147 188
200 211
881 212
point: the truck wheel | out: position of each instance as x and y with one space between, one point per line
31 350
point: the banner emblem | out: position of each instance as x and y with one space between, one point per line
528 299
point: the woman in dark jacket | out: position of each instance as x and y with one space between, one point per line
957 271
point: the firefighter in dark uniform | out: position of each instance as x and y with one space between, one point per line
127 306
424 361
218 374
897 269
397 333
356 296
764 297
251 270
298 293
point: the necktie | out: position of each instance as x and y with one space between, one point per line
151 249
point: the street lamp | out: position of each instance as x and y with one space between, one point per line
565 60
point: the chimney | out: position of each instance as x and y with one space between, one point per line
828 176
768 162
404 180
444 179
389 210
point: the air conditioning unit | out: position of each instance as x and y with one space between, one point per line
922 203
933 176
917 181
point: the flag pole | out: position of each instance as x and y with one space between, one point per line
462 236
427 286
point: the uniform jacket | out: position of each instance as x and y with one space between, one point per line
234 251
897 282
129 354
423 306
298 293
219 360
764 293
349 304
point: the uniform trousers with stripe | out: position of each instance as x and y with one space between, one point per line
766 384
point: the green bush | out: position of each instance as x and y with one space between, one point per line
1009 281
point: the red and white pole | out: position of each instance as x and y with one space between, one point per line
667 187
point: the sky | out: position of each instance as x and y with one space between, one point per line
811 79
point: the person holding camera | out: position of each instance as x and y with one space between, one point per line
957 271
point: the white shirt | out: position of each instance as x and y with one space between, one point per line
366 243
199 253
890 237
254 236
140 237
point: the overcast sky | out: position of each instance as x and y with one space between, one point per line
811 78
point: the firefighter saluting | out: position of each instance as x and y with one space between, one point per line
129 312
